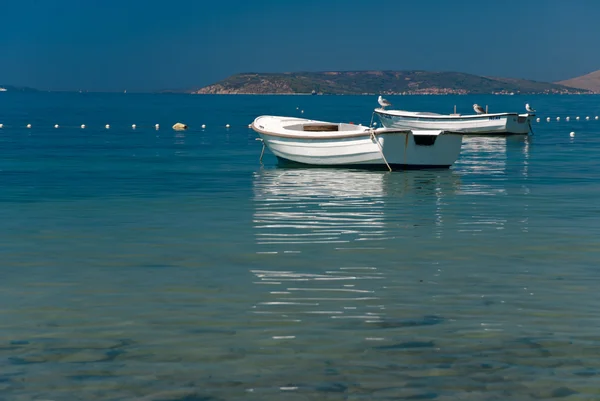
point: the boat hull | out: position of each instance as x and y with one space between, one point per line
400 149
490 124
363 166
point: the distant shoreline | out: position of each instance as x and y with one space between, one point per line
366 83
300 94
414 82
376 94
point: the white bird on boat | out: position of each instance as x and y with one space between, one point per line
529 109
478 109
383 102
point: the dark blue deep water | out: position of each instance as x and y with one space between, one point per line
160 265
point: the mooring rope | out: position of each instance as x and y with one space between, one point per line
374 138
530 127
262 152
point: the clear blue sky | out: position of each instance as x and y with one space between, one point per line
156 44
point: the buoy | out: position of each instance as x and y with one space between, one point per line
297 108
156 126
133 126
28 125
107 126
577 118
249 125
1 125
55 125
572 134
548 119
568 118
596 118
537 120
82 126
375 124
587 118
557 118
302 111
226 125
179 127
203 126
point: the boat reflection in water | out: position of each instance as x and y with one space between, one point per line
325 230
331 206
494 156
310 206
484 155
495 167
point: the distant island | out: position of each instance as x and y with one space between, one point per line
380 82
11 88
589 81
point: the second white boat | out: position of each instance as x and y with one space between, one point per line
339 144
471 124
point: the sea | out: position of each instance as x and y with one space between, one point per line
160 265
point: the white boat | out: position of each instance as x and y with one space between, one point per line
339 144
492 123
3 89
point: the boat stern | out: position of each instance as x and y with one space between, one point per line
422 148
521 125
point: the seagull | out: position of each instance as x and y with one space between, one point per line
383 102
529 109
478 109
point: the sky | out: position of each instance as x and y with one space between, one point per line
147 45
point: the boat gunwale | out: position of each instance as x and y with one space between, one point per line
466 117
366 133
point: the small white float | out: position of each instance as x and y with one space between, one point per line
180 127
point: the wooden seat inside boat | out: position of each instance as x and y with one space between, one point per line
321 127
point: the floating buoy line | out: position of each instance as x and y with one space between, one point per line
181 126
177 126
568 119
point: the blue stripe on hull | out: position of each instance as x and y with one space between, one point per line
486 134
290 163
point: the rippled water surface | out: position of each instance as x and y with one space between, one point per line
159 265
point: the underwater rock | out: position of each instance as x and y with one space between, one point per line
177 395
19 342
26 360
587 372
84 356
562 392
408 345
333 388
428 320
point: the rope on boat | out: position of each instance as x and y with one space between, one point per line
262 152
530 127
374 138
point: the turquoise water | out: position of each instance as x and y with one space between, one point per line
159 265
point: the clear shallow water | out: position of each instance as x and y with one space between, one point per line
162 265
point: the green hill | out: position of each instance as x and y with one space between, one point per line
380 82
